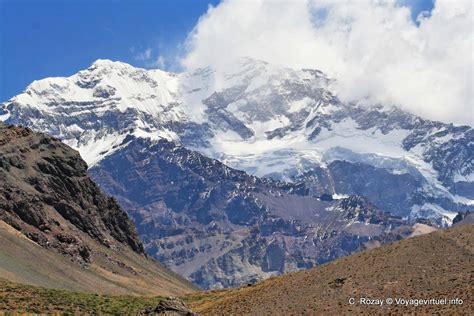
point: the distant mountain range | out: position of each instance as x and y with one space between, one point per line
235 176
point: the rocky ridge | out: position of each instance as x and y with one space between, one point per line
59 230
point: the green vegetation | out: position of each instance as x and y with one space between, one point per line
30 299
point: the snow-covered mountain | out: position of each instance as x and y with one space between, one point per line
269 121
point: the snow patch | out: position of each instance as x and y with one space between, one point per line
299 105
5 116
337 196
433 208
464 178
98 149
462 200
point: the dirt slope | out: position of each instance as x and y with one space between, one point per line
439 265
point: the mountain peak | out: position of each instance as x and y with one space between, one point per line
107 63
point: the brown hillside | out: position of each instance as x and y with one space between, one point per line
58 230
433 266
110 272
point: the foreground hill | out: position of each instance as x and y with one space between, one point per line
438 265
59 230
432 266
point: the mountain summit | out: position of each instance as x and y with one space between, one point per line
269 121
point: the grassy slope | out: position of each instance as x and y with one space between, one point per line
26 298
436 265
23 261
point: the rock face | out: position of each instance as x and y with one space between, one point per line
59 230
47 195
173 307
464 218
221 227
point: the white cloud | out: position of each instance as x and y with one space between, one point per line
160 62
149 58
146 55
372 48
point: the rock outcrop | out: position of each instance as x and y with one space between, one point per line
171 306
48 196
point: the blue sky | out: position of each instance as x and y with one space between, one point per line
43 38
